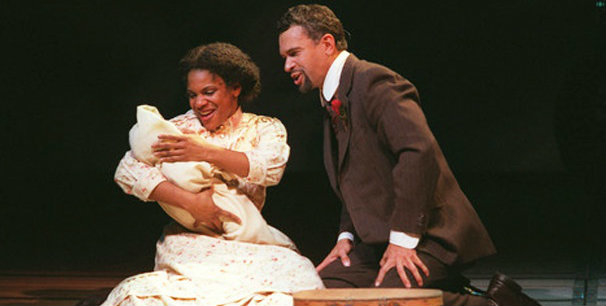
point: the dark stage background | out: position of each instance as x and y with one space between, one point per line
513 91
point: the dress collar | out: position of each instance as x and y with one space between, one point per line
333 76
231 123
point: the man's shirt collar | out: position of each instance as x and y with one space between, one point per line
333 76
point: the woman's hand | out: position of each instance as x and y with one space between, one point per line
173 148
204 210
200 205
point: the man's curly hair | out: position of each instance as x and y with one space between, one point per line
228 62
317 20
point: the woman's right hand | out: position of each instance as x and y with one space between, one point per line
177 148
207 213
200 205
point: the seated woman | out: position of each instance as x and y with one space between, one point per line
195 269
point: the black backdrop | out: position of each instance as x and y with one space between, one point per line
513 91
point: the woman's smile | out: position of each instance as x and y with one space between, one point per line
206 115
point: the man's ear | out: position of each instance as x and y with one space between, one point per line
329 44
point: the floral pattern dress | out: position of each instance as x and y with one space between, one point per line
194 269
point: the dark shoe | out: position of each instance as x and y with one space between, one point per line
469 289
505 292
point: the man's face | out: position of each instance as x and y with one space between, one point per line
304 59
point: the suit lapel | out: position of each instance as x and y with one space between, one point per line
343 94
329 153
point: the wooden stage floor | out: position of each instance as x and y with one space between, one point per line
50 289
67 289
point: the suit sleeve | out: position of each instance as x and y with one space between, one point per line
392 107
345 225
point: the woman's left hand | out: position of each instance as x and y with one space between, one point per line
173 148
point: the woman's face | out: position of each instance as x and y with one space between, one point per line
210 98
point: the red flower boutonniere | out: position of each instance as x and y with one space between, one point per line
338 109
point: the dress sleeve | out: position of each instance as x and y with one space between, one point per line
269 154
137 178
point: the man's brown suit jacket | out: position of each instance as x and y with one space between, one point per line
385 165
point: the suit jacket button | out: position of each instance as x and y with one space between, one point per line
421 219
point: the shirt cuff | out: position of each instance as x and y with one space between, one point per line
346 235
403 240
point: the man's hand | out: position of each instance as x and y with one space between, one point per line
401 258
341 249
204 210
172 148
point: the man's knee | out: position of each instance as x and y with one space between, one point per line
337 283
335 275
332 270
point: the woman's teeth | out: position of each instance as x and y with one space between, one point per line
207 114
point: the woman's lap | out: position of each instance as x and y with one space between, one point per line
192 268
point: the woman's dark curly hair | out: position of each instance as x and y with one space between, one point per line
228 62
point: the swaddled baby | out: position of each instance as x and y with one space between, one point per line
196 176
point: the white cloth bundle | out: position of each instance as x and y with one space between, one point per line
196 176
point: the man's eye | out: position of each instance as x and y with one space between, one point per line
190 96
210 92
